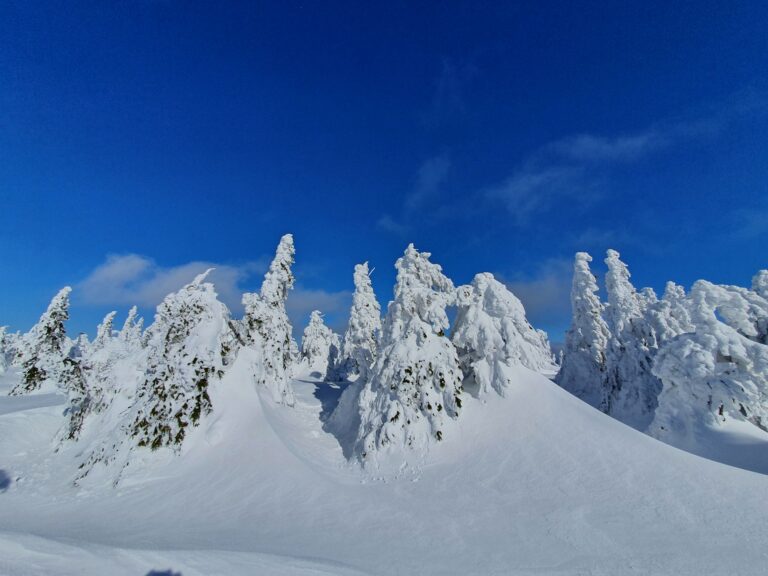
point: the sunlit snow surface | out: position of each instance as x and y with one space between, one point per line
534 483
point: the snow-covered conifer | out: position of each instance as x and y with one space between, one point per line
41 355
416 380
631 388
319 345
583 365
717 373
80 348
491 334
4 349
364 329
104 331
191 344
760 283
267 327
131 332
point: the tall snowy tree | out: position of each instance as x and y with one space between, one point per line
191 344
361 339
104 332
267 327
584 356
716 373
632 389
416 380
132 329
319 346
42 352
492 334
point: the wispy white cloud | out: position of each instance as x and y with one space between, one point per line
574 169
128 279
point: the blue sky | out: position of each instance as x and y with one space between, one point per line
143 141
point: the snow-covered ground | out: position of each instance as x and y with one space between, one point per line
537 482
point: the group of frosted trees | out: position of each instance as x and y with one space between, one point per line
673 365
408 374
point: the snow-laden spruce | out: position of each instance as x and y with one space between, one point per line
267 328
719 372
102 366
131 333
191 344
105 331
583 366
631 389
492 334
361 340
415 385
319 346
42 350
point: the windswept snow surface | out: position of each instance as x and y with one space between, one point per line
537 482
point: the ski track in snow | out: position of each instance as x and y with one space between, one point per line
534 483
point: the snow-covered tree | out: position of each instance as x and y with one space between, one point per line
415 383
492 334
361 339
42 352
81 347
319 346
632 389
717 373
4 349
583 365
267 328
760 283
191 344
132 329
104 331
669 316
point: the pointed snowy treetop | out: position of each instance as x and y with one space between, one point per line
363 331
586 341
623 299
104 331
200 278
673 292
279 278
130 320
319 344
422 291
760 283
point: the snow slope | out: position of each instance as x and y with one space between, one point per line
537 482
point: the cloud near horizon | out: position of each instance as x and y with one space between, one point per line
131 279
128 279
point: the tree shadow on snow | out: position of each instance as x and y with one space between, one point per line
5 480
328 393
163 573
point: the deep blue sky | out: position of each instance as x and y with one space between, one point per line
141 140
